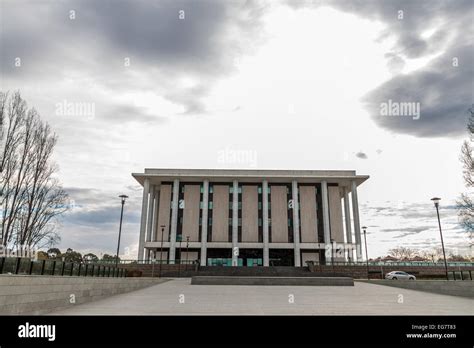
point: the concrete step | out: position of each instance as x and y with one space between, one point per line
260 280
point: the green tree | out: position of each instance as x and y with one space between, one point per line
109 258
53 252
90 257
42 255
71 256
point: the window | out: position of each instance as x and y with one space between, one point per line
259 205
259 189
211 205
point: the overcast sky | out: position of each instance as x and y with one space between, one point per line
249 84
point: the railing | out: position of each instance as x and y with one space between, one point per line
157 262
26 266
396 263
460 275
317 264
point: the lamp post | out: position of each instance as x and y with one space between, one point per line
332 256
161 248
179 264
187 252
122 198
436 203
364 228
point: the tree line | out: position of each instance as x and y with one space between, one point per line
401 253
73 256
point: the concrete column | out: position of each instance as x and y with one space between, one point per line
205 211
174 220
347 216
141 239
266 239
355 214
296 223
149 224
326 225
151 202
235 222
155 216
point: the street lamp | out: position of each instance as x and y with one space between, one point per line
161 248
364 228
436 203
332 255
123 198
187 252
180 236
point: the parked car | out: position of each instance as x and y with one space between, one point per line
395 275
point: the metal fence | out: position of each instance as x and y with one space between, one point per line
26 266
157 262
460 275
315 263
397 263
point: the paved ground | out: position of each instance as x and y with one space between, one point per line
167 298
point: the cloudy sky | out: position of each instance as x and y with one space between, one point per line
249 84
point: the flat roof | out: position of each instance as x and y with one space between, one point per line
158 175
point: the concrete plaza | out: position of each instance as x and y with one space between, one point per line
179 297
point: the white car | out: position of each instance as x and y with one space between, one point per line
395 275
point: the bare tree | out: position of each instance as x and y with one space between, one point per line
434 254
403 253
466 201
32 197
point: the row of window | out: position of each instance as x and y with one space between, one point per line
231 189
260 221
181 205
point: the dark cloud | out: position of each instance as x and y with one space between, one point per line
361 155
407 231
444 91
129 113
161 47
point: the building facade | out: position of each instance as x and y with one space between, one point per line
249 217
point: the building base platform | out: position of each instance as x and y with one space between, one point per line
292 281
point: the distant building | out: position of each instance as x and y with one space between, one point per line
249 217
